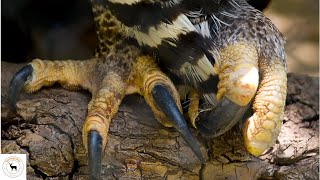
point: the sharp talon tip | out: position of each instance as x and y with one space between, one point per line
166 103
16 84
95 154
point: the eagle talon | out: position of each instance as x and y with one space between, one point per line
17 83
243 48
166 103
95 154
221 119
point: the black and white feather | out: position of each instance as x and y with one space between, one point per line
186 35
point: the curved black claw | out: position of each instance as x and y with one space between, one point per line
168 106
221 119
95 154
17 83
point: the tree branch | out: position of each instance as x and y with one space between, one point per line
48 127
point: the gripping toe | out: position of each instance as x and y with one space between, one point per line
17 83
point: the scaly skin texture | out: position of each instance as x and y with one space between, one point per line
70 74
147 74
261 130
109 81
238 73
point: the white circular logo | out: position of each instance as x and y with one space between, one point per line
12 166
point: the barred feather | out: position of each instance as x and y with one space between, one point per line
186 35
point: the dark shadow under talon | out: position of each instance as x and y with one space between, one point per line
16 84
95 154
221 119
166 103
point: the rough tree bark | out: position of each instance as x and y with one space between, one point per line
48 128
